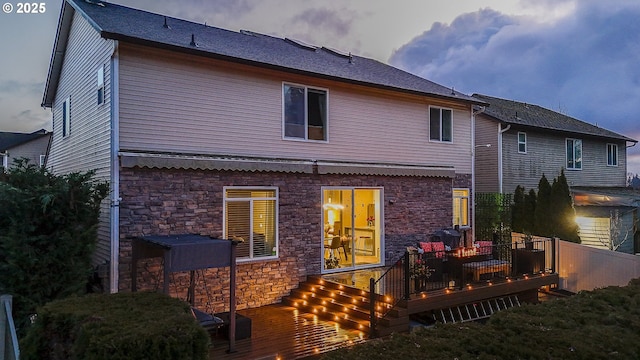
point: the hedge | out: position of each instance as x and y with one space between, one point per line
141 325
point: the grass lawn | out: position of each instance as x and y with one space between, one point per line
599 324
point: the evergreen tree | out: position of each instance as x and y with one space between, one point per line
530 210
542 221
518 214
562 211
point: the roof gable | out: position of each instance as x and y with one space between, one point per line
529 115
141 27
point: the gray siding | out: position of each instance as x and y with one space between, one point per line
486 162
186 104
546 154
30 150
87 147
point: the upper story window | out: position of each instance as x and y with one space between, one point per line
522 142
100 79
461 207
42 160
612 155
5 162
251 215
66 117
440 124
304 112
574 154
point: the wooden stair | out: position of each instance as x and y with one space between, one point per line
345 305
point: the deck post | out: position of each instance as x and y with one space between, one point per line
554 243
372 308
405 276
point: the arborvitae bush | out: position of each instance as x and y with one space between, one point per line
48 233
142 325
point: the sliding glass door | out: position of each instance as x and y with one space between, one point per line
353 228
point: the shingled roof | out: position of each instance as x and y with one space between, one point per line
12 139
534 116
126 24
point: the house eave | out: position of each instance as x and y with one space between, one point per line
130 159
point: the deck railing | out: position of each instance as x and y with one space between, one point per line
420 272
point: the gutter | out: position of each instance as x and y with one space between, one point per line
500 175
473 169
114 211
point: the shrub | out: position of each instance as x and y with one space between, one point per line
48 227
142 325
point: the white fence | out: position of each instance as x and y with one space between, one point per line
583 267
586 268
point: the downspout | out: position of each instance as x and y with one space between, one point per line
114 275
500 132
473 170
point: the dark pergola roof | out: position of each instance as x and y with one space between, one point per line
126 24
534 116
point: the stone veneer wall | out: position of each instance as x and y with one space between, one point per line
177 201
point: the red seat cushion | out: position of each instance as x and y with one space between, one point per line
426 246
438 247
484 247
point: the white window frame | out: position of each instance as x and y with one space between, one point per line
576 165
523 143
42 160
612 155
5 161
306 113
457 203
276 197
66 117
441 128
100 83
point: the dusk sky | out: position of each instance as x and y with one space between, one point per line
577 57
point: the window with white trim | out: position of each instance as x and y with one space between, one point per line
5 161
612 155
251 216
304 112
100 79
461 207
574 154
522 142
440 124
42 159
66 117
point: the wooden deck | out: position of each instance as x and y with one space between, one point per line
282 332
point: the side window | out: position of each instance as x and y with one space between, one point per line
251 216
612 155
100 80
304 112
440 124
461 207
522 142
66 117
574 154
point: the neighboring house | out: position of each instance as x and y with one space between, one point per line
242 135
529 141
32 146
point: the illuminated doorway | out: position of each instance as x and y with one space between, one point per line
353 228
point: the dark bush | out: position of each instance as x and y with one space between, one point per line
142 325
48 233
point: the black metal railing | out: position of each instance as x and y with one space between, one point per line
419 272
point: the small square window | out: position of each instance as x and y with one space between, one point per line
440 124
522 142
304 112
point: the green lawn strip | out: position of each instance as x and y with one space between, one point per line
599 324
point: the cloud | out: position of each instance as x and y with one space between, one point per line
583 62
332 22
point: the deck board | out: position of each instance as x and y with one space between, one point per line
281 332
